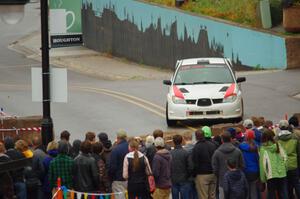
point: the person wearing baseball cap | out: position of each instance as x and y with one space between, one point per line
161 169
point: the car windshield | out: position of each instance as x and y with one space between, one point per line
203 74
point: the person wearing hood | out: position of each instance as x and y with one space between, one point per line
251 158
17 175
291 146
221 155
75 148
272 164
202 160
52 153
107 146
161 168
235 182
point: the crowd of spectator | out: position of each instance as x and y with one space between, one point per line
238 164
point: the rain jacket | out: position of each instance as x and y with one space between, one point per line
251 157
291 147
272 164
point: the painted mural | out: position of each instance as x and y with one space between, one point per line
158 36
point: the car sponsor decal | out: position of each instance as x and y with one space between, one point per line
230 91
177 92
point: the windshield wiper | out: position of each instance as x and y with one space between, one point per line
207 82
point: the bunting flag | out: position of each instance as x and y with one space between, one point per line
126 195
72 194
79 196
85 196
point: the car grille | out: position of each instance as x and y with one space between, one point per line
217 101
191 101
204 102
195 113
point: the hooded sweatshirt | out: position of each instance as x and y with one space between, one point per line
291 147
251 158
161 169
272 164
235 185
219 160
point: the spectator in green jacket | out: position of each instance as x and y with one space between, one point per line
291 146
272 163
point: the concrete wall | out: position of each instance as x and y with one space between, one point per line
158 36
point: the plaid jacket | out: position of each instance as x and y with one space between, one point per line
61 166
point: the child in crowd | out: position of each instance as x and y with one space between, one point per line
235 183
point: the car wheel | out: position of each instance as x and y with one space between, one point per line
170 123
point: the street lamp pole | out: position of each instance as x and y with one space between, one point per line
47 124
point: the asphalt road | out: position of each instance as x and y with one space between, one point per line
136 105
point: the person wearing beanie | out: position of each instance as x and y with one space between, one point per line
248 124
150 149
115 165
205 179
161 168
292 148
208 135
250 154
221 155
107 146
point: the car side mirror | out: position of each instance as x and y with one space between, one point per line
167 82
240 79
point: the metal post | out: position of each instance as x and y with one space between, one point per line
47 124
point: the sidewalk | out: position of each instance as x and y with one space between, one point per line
89 62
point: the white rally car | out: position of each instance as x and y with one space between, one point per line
204 88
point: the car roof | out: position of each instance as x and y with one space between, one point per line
210 60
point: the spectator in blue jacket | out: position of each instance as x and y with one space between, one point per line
251 158
235 184
115 168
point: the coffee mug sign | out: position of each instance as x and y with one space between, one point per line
65 23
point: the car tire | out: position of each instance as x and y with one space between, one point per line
170 123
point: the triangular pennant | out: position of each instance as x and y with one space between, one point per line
72 194
79 196
85 196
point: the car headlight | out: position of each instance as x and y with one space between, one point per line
230 99
177 100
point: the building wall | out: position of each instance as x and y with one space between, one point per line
158 36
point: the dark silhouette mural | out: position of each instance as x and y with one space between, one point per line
154 45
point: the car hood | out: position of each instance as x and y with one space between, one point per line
204 90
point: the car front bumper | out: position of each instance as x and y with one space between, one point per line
214 111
